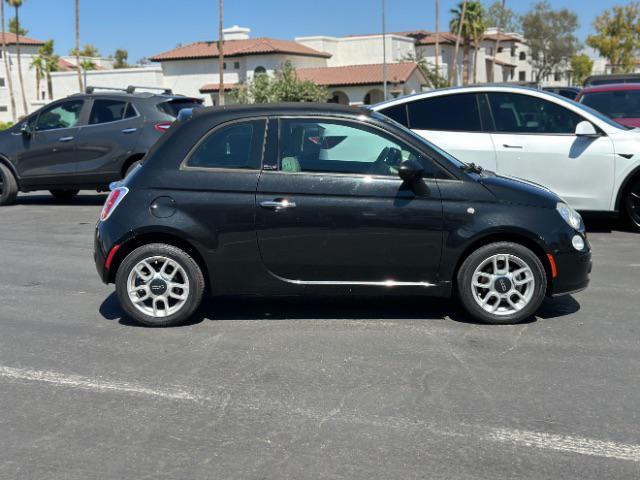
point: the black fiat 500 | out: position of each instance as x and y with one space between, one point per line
303 199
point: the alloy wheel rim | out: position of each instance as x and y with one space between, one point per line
503 284
633 203
158 286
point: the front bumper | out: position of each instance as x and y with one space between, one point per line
573 273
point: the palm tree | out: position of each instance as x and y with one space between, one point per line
437 39
220 57
51 60
39 65
77 49
457 24
500 27
477 25
16 4
6 66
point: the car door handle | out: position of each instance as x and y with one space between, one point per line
65 139
129 130
505 145
279 204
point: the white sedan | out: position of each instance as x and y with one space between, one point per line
588 159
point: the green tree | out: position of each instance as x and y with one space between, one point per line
87 65
51 64
428 69
38 64
284 86
88 50
581 66
468 21
16 4
12 95
509 23
551 37
15 29
121 56
617 36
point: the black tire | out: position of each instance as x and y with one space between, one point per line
193 274
631 201
132 167
8 186
475 259
64 195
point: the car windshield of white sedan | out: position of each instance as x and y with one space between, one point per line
596 113
615 104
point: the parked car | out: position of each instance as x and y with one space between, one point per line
587 158
612 78
567 92
84 141
621 102
304 199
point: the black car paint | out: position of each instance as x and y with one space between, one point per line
85 156
348 234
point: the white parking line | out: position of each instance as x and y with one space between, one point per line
585 446
95 384
523 438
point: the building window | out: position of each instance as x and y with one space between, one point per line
522 76
500 49
4 108
557 76
236 65
513 51
259 70
490 51
523 56
224 65
2 82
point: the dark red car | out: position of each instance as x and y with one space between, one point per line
621 101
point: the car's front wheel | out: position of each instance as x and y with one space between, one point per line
8 186
159 285
632 204
502 283
64 195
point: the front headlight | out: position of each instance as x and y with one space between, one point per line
570 216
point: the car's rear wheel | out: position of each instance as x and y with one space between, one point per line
632 204
64 195
159 285
502 283
8 186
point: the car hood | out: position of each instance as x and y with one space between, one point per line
518 191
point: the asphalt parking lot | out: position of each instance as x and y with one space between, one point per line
277 389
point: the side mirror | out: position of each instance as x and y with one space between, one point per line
586 129
26 130
411 170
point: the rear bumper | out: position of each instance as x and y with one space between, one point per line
100 257
573 273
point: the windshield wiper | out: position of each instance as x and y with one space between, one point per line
472 168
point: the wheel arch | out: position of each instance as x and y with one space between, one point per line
634 174
129 161
518 237
5 161
146 238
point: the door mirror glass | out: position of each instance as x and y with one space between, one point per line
411 170
586 129
26 130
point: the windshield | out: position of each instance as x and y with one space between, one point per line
448 156
614 104
173 107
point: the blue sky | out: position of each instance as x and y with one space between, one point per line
147 27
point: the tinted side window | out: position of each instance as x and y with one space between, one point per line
238 145
340 147
517 113
456 113
130 112
397 113
105 111
63 115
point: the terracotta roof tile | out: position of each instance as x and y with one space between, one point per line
358 74
11 39
215 87
234 48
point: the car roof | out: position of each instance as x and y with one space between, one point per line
611 87
282 109
136 95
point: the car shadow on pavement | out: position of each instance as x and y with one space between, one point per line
336 309
96 199
596 223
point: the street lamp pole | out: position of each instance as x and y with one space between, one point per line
384 49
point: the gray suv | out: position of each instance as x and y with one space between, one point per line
85 141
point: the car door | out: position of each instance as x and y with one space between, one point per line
535 140
108 139
454 122
333 211
47 154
